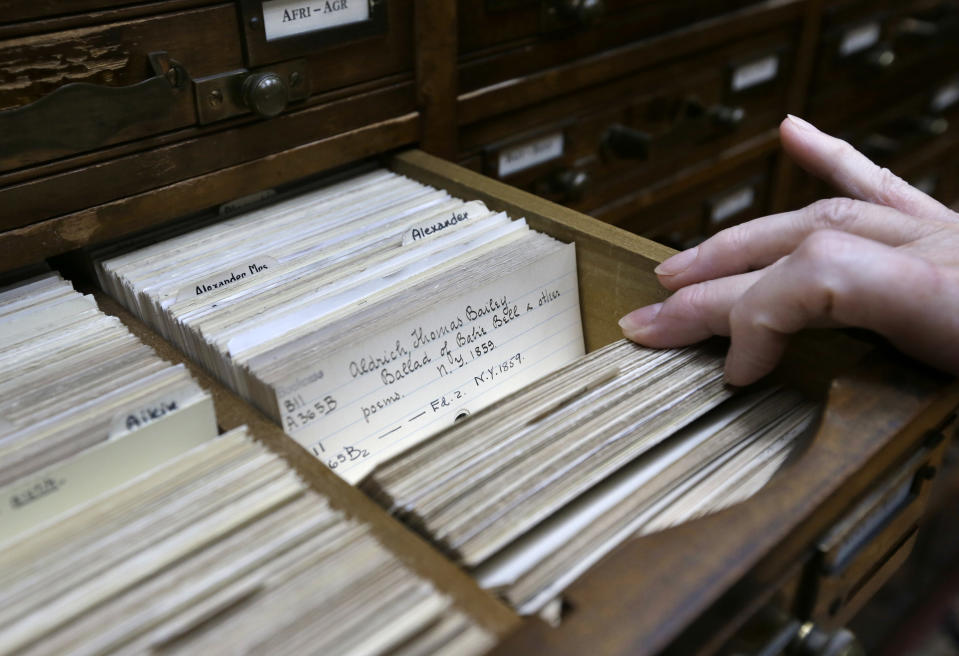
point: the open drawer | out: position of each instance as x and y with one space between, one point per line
685 590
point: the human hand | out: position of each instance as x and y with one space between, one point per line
887 261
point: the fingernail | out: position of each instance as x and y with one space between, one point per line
634 322
801 124
677 263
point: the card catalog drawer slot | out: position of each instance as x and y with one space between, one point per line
503 39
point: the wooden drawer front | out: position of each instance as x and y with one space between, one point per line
27 10
621 137
220 72
113 56
686 218
873 539
356 51
524 36
871 52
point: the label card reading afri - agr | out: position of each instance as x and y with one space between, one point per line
367 403
283 18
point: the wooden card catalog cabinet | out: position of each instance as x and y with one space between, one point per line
597 148
871 53
531 35
655 116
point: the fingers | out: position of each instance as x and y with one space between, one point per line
855 282
845 168
831 278
760 242
690 315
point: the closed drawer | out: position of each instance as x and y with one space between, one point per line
873 52
685 218
222 61
915 138
588 149
871 541
502 39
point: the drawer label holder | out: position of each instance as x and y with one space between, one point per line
283 18
526 155
277 30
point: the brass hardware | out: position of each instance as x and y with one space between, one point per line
81 116
564 14
879 58
727 117
812 641
215 98
265 92
626 142
582 12
571 184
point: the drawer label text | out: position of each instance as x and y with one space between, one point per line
283 18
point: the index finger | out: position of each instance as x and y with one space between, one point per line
844 167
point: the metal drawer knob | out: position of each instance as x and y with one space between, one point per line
584 12
572 184
626 142
880 58
813 641
265 94
728 117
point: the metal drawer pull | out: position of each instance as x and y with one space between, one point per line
81 116
584 12
571 184
692 123
813 641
